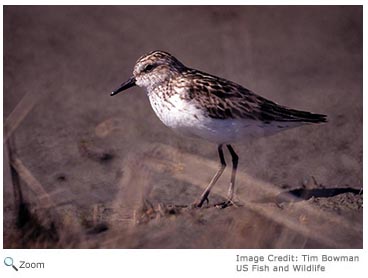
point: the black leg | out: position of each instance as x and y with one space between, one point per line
230 193
205 194
235 159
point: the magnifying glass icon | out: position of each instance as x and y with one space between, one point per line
8 261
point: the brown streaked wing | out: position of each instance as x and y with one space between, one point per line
224 99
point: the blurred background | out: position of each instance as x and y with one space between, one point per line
86 170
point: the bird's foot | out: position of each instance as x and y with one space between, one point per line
198 204
226 204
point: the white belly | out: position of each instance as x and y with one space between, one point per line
186 119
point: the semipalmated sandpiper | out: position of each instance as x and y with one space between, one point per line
198 104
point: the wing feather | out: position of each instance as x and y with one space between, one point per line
224 99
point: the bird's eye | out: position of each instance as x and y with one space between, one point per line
149 67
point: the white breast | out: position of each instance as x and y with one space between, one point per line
178 114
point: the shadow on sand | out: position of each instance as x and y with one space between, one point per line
300 194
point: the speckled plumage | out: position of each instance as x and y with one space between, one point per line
202 105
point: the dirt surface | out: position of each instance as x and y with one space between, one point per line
86 170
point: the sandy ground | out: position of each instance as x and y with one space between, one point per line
86 170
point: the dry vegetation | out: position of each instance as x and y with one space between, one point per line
263 216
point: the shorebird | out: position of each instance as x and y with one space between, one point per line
198 104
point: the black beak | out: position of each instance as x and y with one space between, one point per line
126 85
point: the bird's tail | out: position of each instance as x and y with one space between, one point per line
303 116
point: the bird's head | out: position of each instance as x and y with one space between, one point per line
152 70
